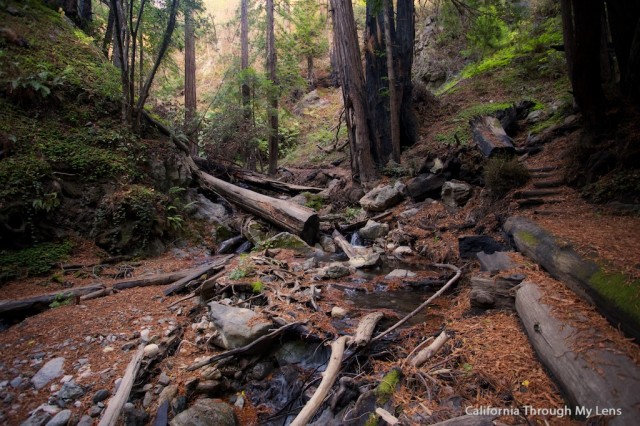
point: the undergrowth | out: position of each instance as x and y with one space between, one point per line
35 260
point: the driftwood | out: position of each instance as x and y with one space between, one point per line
35 304
585 278
426 353
328 379
387 416
490 137
237 351
365 329
217 264
589 378
425 303
346 247
112 413
296 219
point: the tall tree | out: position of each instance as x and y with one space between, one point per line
85 14
244 56
273 93
190 100
352 79
405 39
307 34
394 90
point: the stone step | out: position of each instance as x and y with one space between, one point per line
535 193
549 183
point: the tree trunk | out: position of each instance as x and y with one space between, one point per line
190 80
623 21
394 90
310 75
632 78
85 14
376 84
120 55
346 44
289 216
36 304
568 33
244 56
273 110
405 37
108 35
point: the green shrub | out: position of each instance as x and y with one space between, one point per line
32 261
502 174
488 32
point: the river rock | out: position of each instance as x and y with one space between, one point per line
101 395
48 372
69 392
425 185
338 312
60 419
399 273
381 198
336 270
210 211
373 230
151 350
206 412
456 193
366 260
286 240
41 415
403 251
237 326
327 244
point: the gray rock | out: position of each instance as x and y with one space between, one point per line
424 185
210 211
286 240
70 392
101 395
494 262
338 312
48 372
456 193
41 415
147 400
206 412
85 421
399 273
381 198
237 326
261 370
373 230
95 411
17 382
402 251
151 350
536 116
327 244
365 260
164 380
408 214
336 270
60 419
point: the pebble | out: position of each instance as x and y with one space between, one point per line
95 411
151 350
338 312
164 380
16 382
144 335
148 399
107 349
100 396
60 419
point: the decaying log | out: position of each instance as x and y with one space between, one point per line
329 377
357 225
426 302
346 247
35 304
387 416
598 287
421 357
296 219
468 420
116 403
217 264
494 292
96 294
158 279
588 375
365 329
490 137
256 343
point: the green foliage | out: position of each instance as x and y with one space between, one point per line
34 260
619 184
352 213
619 290
61 300
22 177
482 109
177 208
257 286
488 32
314 201
388 385
502 174
393 169
461 135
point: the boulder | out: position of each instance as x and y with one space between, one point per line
469 245
287 240
60 419
336 270
48 372
373 230
456 193
399 273
210 211
237 326
206 412
425 185
366 260
381 198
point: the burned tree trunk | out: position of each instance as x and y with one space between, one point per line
405 36
289 216
490 137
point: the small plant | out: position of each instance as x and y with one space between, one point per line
243 269
257 286
61 300
314 201
502 174
352 213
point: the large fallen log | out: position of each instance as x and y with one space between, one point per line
591 378
615 296
289 216
158 279
490 137
36 304
216 264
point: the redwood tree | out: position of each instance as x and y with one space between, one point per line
273 101
190 100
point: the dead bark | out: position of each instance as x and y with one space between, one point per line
588 375
296 219
217 264
112 413
35 304
330 376
365 329
159 279
490 137
394 91
273 101
426 353
346 247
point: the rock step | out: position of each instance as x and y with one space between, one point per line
549 183
535 193
532 202
542 169
544 175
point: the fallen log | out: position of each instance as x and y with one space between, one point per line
298 220
112 413
365 329
490 137
468 420
359 224
36 304
217 264
613 294
342 242
589 378
329 377
96 294
158 279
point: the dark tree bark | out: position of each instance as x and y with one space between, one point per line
376 85
108 35
623 19
352 76
85 14
405 39
395 93
632 75
273 110
190 80
585 74
244 56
